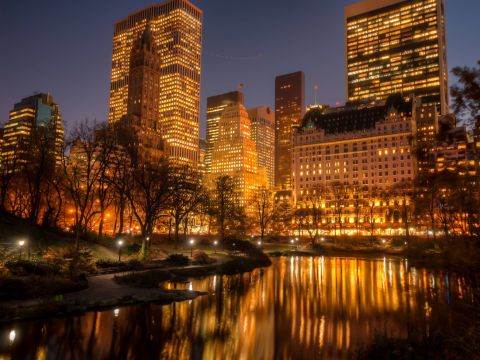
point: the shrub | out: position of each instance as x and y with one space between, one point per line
242 246
27 267
106 263
178 259
132 249
201 257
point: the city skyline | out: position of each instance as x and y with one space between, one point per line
221 54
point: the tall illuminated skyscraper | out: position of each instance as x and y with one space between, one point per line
176 28
35 124
215 106
289 109
235 153
397 46
263 133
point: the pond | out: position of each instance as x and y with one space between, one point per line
299 308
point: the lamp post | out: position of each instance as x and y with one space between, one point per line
11 336
215 243
120 243
192 243
148 242
21 243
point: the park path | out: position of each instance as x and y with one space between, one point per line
102 287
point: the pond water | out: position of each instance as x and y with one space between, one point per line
299 308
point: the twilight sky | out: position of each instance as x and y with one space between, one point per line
64 48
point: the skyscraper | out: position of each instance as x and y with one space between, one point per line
176 29
144 95
397 46
235 154
289 109
215 106
263 133
35 124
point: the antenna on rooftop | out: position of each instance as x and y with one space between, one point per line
315 89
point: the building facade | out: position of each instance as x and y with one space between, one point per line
350 155
215 106
263 133
235 154
35 124
289 109
397 46
144 96
176 29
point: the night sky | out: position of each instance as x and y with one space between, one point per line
64 48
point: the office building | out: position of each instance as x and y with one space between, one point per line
34 125
175 26
397 46
263 133
235 155
289 109
215 106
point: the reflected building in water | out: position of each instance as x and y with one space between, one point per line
299 308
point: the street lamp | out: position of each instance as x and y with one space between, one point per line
12 336
215 243
120 243
192 243
21 243
259 243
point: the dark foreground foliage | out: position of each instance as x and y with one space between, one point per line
29 287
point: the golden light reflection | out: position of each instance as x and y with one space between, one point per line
298 308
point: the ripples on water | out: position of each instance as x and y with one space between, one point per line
299 308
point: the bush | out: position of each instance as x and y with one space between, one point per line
132 249
245 247
201 257
108 264
37 286
27 267
177 259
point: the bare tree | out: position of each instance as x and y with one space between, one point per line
358 204
315 212
83 168
264 209
225 204
371 205
148 195
339 194
186 196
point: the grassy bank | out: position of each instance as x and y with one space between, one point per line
153 278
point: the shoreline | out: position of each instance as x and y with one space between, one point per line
433 261
105 292
109 291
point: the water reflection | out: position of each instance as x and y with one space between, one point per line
298 308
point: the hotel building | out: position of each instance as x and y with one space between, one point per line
175 27
397 46
364 149
235 154
263 133
215 106
289 109
34 122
